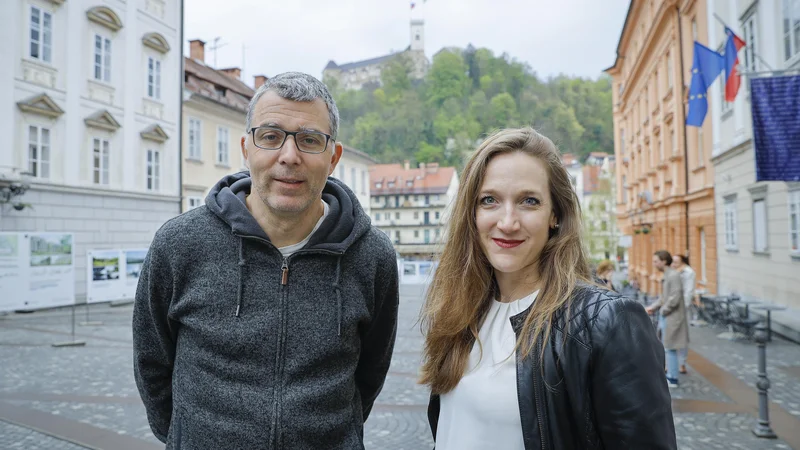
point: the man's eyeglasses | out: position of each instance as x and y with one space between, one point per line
271 138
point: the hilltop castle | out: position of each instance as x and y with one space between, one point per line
356 75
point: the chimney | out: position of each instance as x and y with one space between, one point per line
407 165
433 167
233 72
259 81
422 167
197 50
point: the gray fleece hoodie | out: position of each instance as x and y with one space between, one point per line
236 347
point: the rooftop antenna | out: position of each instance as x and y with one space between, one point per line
215 47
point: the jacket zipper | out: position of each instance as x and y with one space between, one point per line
539 406
277 388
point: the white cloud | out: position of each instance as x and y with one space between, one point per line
575 37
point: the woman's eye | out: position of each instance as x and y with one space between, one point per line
531 201
487 200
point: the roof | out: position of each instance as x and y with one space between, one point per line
364 63
430 180
621 34
204 80
359 153
600 154
568 159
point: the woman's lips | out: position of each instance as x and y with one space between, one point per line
505 243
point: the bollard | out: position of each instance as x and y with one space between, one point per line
763 430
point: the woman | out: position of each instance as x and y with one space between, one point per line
522 351
605 270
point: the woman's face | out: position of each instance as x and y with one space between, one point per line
514 212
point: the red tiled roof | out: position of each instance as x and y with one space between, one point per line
591 179
204 81
431 180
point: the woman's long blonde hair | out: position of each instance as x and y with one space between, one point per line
463 286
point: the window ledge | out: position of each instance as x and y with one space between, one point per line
732 250
727 114
761 253
698 169
795 256
194 160
222 166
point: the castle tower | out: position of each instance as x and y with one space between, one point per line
418 35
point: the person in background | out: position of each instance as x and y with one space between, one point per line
605 271
672 314
688 280
522 349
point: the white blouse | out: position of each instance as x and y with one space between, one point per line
482 412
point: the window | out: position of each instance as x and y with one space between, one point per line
353 178
794 221
660 150
674 142
791 29
724 104
153 170
153 78
701 160
669 71
416 215
195 201
397 216
694 29
39 151
427 217
624 189
749 31
223 140
41 35
416 233
760 225
427 236
703 255
100 161
377 216
341 173
730 224
622 142
363 182
102 58
436 215
195 143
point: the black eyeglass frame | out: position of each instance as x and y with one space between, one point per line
286 135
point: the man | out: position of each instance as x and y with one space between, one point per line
681 264
266 319
672 318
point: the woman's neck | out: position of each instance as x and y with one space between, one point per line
514 286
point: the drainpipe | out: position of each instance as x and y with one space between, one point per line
683 117
180 113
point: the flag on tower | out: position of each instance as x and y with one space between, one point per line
706 67
732 78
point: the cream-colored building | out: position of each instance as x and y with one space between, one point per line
356 75
410 205
353 170
758 223
214 109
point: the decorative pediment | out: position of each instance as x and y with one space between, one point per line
103 120
105 16
42 105
154 133
156 41
57 2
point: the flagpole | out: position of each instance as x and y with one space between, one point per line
754 52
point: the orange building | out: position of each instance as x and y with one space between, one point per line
665 193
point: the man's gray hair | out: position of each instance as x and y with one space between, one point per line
298 87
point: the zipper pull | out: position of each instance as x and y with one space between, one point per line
285 272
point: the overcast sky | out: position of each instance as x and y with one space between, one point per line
574 37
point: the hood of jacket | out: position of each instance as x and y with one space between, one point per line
346 221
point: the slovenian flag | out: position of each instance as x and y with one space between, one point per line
732 77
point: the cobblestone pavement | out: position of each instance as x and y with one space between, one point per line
93 386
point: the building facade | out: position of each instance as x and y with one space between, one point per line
665 181
758 223
214 110
599 208
356 75
410 205
353 170
90 98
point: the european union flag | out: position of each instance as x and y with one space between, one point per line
706 67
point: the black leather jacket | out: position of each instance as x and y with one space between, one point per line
602 388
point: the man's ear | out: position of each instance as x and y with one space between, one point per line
336 156
244 149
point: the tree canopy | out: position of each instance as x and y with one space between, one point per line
463 97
